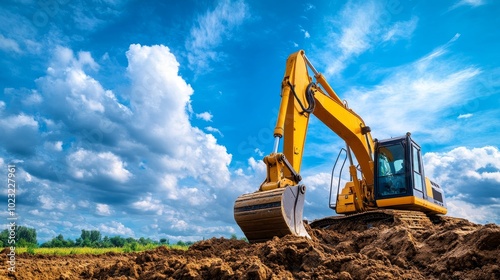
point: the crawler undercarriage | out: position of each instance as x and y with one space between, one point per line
411 219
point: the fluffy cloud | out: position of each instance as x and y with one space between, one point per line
116 228
206 116
83 142
149 204
50 203
19 134
160 101
14 122
90 166
473 212
103 209
470 179
74 103
55 146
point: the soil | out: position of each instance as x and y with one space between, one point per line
449 249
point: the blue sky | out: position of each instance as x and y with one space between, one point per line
148 118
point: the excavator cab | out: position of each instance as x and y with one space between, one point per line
400 182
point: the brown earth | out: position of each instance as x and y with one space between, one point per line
450 249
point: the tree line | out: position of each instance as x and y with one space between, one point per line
26 237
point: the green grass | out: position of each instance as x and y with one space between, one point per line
92 251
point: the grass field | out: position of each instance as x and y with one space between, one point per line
92 251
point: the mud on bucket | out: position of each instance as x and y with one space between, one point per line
265 214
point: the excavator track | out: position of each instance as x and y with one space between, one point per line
411 219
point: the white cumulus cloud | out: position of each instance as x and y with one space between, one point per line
206 116
103 209
19 133
116 228
161 99
468 177
149 204
88 165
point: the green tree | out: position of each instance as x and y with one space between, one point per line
79 242
25 236
164 241
86 243
95 236
85 235
58 241
90 238
69 243
47 244
4 237
117 241
130 240
131 247
106 242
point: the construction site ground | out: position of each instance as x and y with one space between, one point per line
451 248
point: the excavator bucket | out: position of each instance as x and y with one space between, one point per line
265 214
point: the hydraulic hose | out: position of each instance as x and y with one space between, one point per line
309 98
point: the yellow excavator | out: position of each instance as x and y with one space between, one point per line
387 178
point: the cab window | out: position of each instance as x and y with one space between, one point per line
391 170
417 172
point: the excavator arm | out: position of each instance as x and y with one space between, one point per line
276 208
298 90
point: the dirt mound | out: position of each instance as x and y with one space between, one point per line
451 249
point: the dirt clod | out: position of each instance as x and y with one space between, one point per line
450 249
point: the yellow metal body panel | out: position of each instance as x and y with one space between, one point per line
428 187
412 203
345 200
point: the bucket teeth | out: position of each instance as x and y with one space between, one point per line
265 214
